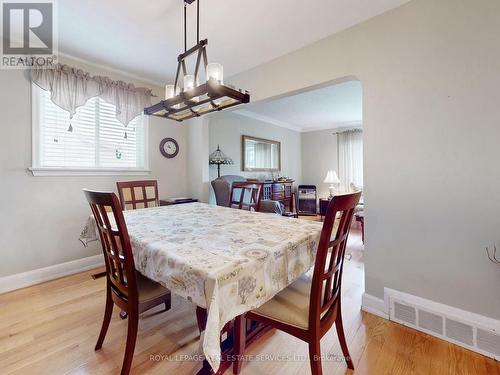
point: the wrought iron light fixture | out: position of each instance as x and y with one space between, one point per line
195 100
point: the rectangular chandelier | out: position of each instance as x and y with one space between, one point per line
208 97
196 99
214 97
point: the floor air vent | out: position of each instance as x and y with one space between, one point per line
488 341
404 313
472 331
460 332
431 322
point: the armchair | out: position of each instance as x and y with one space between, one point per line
222 188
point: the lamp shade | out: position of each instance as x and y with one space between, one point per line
218 157
331 178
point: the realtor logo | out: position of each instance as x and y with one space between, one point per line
28 34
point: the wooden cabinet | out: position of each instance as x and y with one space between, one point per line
278 191
323 205
281 191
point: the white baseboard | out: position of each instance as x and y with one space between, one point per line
484 332
374 305
40 275
469 330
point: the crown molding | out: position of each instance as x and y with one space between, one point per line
334 126
270 120
282 124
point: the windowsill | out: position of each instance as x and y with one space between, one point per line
47 171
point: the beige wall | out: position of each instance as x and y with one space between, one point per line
41 217
319 155
225 129
198 176
431 90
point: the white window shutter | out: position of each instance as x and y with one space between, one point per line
97 139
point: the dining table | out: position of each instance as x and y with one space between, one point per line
226 261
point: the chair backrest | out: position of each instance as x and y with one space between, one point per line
293 207
327 276
120 267
138 194
247 190
222 188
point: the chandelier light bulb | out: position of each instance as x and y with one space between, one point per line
190 84
170 91
215 71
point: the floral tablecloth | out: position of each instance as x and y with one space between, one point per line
226 260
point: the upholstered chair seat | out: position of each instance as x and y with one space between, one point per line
270 206
149 290
291 305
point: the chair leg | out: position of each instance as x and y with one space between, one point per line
201 318
133 322
343 343
108 310
239 342
315 357
168 303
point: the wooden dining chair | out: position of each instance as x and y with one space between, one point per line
308 307
138 194
293 208
245 189
125 287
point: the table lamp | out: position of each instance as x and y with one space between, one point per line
331 178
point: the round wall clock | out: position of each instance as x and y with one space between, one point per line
169 148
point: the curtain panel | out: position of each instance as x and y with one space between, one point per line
263 155
71 87
350 157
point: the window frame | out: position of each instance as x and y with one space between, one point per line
37 170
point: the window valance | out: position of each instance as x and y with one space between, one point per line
71 88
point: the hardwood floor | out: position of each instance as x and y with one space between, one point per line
52 329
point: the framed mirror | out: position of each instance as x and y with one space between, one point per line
260 155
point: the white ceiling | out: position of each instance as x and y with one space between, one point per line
145 37
336 106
